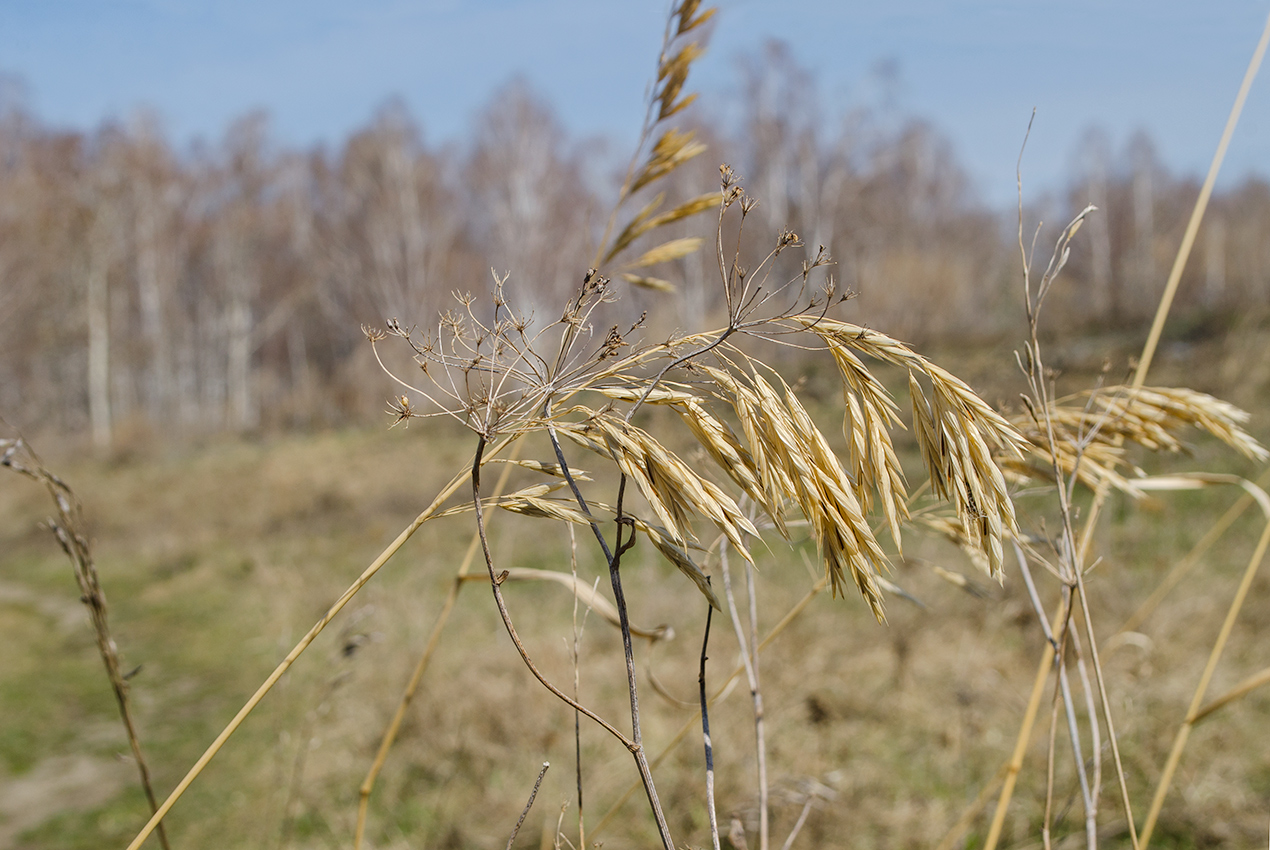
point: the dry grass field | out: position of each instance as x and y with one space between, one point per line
895 523
215 558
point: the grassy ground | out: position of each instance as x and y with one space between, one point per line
217 558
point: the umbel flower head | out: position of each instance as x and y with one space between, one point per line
582 379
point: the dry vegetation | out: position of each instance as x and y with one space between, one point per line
687 474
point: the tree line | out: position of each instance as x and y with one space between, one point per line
149 290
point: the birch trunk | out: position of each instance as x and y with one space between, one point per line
98 304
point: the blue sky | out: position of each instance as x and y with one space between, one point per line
975 68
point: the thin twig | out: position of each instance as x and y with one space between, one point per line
632 744
529 805
1073 730
1095 728
705 731
756 695
614 558
790 616
759 723
68 529
577 716
798 824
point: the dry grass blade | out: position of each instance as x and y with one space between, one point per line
545 467
1241 690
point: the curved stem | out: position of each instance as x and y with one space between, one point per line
634 744
705 732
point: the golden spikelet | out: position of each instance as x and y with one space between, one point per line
957 431
672 149
656 284
672 250
1089 429
673 490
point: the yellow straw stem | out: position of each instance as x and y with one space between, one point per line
1193 713
1197 214
300 647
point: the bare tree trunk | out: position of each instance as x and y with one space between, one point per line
242 410
1144 227
239 319
150 289
98 303
1104 302
414 274
1214 262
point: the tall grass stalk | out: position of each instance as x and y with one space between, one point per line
1144 363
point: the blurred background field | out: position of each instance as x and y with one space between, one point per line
181 338
217 556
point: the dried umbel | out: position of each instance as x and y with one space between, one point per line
502 376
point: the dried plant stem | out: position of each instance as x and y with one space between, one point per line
705 731
633 744
1179 263
1073 730
353 589
577 683
412 686
1048 819
1193 713
790 616
1184 566
614 558
798 824
67 528
1106 709
1015 764
529 805
1139 380
1070 555
1246 686
1197 214
1095 729
750 661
